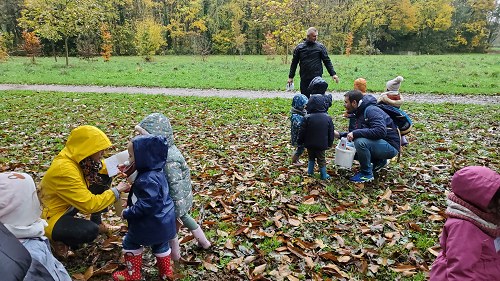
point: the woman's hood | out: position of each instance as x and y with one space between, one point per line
159 125
150 152
84 141
476 185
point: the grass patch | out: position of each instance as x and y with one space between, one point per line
423 74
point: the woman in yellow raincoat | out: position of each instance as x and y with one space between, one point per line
65 189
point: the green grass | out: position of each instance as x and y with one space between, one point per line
458 74
220 137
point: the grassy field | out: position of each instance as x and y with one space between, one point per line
265 217
457 74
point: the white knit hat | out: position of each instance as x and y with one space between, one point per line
394 84
19 205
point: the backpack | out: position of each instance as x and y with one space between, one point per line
398 116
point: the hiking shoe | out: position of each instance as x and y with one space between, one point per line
359 178
380 165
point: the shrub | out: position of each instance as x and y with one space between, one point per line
149 38
4 55
31 45
107 43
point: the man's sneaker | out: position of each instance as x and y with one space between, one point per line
359 178
380 165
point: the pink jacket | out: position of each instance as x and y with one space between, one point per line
468 253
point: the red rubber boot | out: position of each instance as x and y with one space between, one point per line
133 270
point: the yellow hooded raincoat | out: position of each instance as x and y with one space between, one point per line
64 185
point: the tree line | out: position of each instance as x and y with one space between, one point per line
273 27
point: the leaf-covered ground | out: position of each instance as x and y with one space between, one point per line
266 219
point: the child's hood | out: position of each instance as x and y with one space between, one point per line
317 86
476 185
158 124
299 101
150 152
318 103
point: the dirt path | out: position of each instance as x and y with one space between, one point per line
420 98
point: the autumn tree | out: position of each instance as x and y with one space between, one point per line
31 45
107 43
57 20
4 55
284 24
187 25
471 24
149 38
10 11
433 20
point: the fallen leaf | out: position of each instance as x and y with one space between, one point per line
436 218
309 262
387 195
210 266
259 269
344 259
294 222
229 244
309 201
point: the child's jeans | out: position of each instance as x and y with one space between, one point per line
300 149
157 248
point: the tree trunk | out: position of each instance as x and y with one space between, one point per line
54 50
66 48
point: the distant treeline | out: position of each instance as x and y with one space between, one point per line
146 27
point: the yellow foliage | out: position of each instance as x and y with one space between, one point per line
149 37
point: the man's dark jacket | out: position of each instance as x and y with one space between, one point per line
317 129
376 125
310 56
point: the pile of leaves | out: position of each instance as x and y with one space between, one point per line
266 219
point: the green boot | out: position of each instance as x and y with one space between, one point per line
324 175
310 168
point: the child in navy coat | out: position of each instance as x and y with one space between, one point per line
317 131
150 210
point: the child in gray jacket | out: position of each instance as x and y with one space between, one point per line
178 177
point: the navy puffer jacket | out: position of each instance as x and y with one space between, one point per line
151 214
373 123
317 129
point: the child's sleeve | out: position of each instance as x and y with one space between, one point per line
463 250
302 131
331 133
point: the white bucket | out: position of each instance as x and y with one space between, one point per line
344 157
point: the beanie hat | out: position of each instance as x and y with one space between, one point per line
360 85
394 84
317 86
19 205
299 101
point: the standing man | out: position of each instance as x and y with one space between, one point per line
310 55
375 136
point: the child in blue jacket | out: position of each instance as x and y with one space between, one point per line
296 118
150 210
